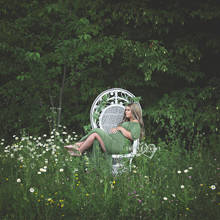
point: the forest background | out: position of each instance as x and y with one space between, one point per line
57 56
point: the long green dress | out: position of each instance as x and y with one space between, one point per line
116 143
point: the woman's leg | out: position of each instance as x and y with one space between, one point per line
89 141
70 147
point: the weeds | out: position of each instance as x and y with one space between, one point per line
40 180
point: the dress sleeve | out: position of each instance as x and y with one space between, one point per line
135 130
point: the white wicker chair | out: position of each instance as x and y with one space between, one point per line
107 112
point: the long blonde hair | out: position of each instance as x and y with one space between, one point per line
137 114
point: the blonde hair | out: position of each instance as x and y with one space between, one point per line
137 114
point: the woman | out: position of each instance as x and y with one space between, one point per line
119 140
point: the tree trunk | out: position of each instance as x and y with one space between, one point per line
61 96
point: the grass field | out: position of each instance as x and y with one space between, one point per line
40 180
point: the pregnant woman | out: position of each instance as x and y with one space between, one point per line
120 139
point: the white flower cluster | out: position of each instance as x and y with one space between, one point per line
39 152
185 171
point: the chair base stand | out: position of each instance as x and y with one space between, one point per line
119 168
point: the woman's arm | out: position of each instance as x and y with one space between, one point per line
125 132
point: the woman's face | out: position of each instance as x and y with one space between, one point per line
128 113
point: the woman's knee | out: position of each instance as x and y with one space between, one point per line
96 135
93 135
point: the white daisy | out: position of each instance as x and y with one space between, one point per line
31 189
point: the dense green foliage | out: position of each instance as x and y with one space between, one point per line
57 56
40 180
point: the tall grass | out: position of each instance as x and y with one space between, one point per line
40 180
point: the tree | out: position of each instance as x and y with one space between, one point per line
62 54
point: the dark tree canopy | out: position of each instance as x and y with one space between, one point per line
57 56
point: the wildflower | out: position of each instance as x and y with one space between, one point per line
178 171
186 171
187 209
165 198
75 170
43 170
182 186
39 172
31 189
16 138
190 177
87 194
113 182
190 168
134 171
18 180
174 195
21 158
139 201
201 184
61 169
213 187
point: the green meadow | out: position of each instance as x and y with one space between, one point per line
40 180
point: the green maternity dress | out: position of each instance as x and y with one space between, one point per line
116 143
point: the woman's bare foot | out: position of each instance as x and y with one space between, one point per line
70 147
75 153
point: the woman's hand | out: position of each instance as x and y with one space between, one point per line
114 130
125 132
